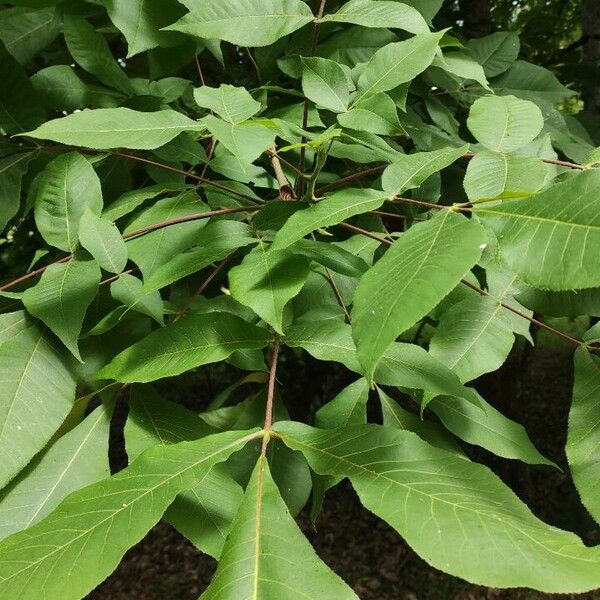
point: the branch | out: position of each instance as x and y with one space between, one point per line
516 311
204 285
198 178
360 175
270 397
285 189
138 233
380 168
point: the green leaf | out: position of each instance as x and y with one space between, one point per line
91 52
31 371
127 289
333 209
13 324
77 546
479 423
375 114
204 513
402 365
154 250
61 88
67 187
266 555
20 108
571 303
77 459
583 441
245 23
103 241
463 66
475 335
493 175
325 83
61 297
550 240
246 140
412 170
531 82
194 340
331 256
12 169
25 32
141 20
379 13
215 242
106 128
428 8
349 407
417 271
232 104
399 418
495 52
398 477
504 123
398 63
132 199
266 280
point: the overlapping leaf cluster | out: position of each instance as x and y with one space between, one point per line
199 181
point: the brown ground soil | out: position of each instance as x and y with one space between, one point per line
533 388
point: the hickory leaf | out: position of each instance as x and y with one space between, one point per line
266 280
398 476
103 241
104 510
398 63
504 123
325 83
584 433
401 287
245 23
196 339
410 171
67 188
263 544
32 370
203 513
76 460
61 297
548 242
379 13
331 210
105 128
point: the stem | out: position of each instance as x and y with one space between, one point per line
198 178
285 189
270 397
514 310
313 48
204 285
379 169
458 207
186 218
32 274
550 161
254 64
199 69
349 178
115 277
